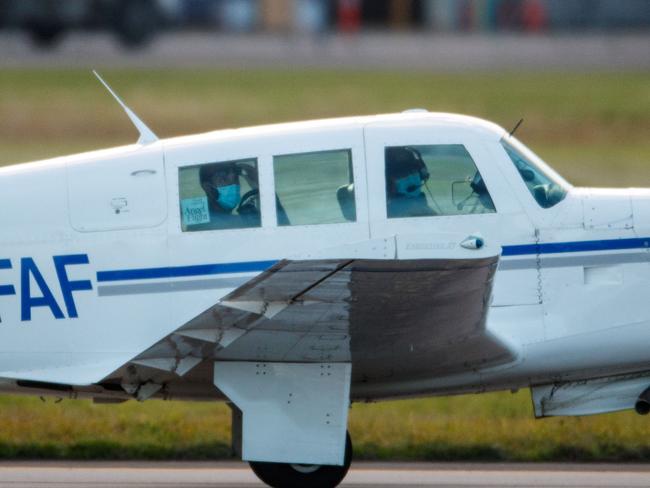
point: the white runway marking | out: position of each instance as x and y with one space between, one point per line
204 474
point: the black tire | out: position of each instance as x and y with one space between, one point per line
281 475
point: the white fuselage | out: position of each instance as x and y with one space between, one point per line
95 266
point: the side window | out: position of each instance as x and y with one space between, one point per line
546 186
219 196
430 180
314 188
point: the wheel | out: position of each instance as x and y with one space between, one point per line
282 475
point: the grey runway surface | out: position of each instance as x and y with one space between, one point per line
418 51
225 474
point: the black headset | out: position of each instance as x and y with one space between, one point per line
421 166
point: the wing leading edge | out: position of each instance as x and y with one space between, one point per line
387 318
287 347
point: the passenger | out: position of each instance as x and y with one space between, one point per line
221 184
406 173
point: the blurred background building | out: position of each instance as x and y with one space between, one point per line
136 22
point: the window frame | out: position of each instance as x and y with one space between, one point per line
350 165
479 145
416 146
229 157
263 147
539 165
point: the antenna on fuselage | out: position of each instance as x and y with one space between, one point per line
146 134
514 129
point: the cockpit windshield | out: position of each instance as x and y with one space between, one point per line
545 185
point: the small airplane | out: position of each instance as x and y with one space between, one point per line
292 269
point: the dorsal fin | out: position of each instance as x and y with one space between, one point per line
146 134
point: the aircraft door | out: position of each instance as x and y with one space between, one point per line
121 191
436 189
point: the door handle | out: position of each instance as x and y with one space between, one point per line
473 242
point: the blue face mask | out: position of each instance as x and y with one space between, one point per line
229 196
409 186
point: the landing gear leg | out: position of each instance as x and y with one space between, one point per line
281 475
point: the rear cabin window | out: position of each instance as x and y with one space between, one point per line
314 188
430 180
545 185
221 195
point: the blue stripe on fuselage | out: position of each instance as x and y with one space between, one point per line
252 266
577 246
183 271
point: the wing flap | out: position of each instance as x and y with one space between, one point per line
388 318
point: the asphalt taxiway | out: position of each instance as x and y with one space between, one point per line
220 474
415 51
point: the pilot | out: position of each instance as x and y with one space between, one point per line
221 184
406 174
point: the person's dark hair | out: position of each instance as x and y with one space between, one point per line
208 170
401 161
